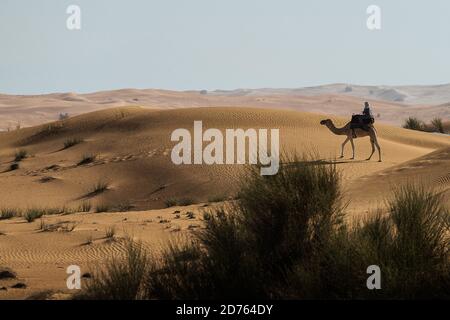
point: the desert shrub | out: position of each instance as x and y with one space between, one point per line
102 207
14 166
20 155
190 215
72 142
52 128
8 213
87 158
61 226
98 188
286 239
185 201
413 123
123 206
438 125
121 278
251 249
218 198
85 207
32 214
171 202
110 233
416 253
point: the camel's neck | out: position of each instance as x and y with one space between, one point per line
338 131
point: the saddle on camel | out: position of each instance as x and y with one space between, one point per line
362 121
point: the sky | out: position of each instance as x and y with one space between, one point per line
220 44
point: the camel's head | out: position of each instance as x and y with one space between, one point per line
324 122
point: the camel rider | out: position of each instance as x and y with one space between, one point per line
362 120
367 113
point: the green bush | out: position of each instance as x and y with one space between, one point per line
438 125
286 239
171 202
20 155
87 158
121 279
72 142
8 213
413 123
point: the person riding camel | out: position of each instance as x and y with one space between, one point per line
363 120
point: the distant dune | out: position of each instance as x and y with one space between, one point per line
430 95
391 105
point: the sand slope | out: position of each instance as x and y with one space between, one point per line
133 147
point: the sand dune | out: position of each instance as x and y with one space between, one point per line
132 148
333 99
418 94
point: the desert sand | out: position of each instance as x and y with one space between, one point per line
389 103
132 149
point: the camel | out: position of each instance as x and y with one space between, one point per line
347 131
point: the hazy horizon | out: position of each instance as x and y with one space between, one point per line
217 45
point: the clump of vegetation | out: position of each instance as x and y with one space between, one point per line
72 142
32 214
52 128
98 188
85 207
14 166
190 215
413 123
123 206
436 125
9 213
7 273
286 239
218 198
60 226
102 207
20 155
171 202
87 158
110 233
121 279
46 179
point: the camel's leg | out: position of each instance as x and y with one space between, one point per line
353 148
373 149
379 149
343 145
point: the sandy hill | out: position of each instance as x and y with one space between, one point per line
25 111
132 154
413 94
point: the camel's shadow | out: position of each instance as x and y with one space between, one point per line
323 162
